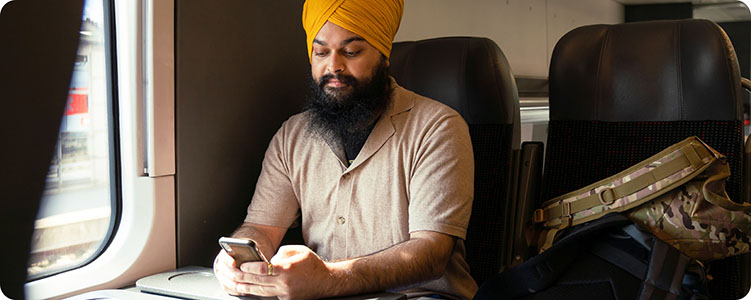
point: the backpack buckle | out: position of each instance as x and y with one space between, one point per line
601 196
538 215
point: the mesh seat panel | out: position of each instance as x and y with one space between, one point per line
485 233
582 152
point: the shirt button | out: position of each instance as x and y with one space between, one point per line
341 220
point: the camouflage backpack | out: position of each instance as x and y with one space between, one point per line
678 195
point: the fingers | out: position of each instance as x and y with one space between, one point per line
229 286
224 271
255 267
258 279
236 282
231 273
247 289
224 265
224 259
257 290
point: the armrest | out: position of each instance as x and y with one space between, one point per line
528 173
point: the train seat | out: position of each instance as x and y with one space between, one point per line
472 76
620 93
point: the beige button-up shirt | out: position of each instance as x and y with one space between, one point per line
414 173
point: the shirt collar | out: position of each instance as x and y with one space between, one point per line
400 99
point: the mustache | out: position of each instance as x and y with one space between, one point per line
346 79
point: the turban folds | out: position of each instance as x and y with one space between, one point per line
376 21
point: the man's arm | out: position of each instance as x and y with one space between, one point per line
423 257
298 273
267 239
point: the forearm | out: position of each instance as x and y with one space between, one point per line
267 238
423 257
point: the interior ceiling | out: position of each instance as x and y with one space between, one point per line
715 10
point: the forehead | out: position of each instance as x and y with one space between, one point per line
334 35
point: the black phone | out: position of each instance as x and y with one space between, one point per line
242 250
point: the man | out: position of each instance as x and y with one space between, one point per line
382 177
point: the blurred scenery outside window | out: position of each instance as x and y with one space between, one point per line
74 215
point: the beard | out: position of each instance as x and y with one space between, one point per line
347 114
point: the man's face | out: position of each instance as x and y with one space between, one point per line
340 58
349 88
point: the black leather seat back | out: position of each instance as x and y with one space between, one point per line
472 76
621 93
647 71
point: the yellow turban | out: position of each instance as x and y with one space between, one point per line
374 20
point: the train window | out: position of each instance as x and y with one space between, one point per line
77 213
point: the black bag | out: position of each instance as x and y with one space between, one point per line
608 258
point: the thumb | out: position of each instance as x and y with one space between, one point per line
288 251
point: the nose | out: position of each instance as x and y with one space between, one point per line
335 64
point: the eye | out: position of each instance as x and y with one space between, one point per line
320 53
351 53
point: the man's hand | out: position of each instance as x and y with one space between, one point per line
296 273
231 278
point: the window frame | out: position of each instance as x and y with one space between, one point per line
143 242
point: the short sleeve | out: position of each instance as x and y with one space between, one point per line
274 202
442 184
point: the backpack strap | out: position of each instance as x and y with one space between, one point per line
661 271
663 276
541 271
642 182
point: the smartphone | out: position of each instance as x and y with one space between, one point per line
242 250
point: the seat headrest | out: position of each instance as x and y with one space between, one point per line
645 71
469 74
